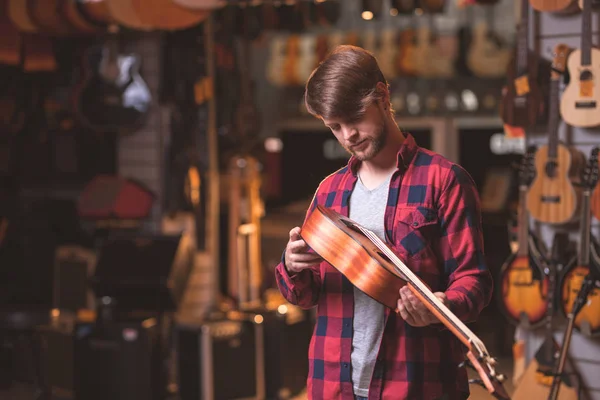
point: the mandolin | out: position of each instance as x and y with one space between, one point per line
523 102
523 297
114 97
580 103
588 318
372 266
552 197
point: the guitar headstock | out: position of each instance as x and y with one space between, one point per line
559 60
590 173
488 376
526 167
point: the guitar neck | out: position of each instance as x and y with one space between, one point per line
523 221
523 39
553 119
439 309
583 256
560 367
586 33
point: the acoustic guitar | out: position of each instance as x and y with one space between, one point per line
114 97
19 15
373 267
580 104
588 318
523 102
201 4
124 13
488 54
167 15
552 197
523 297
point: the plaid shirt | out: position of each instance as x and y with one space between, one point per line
433 221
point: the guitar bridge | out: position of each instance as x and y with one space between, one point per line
550 199
585 104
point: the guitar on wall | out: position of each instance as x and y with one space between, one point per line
588 319
523 99
552 197
537 378
580 283
580 104
523 296
114 98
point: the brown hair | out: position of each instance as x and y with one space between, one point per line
344 85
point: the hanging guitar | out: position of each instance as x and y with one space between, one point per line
523 100
523 297
376 270
588 319
114 97
553 198
580 104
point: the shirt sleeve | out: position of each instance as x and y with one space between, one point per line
302 288
470 284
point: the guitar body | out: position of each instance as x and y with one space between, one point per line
200 4
124 13
580 103
554 6
167 15
524 289
117 105
19 15
588 319
554 199
486 58
523 102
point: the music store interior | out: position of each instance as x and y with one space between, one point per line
155 154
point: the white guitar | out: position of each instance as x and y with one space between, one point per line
580 103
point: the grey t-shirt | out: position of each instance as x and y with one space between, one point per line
367 207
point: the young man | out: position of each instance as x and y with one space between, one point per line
426 208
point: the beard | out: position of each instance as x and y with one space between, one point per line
374 144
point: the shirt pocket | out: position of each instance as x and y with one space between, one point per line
415 232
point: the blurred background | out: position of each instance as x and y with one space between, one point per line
155 154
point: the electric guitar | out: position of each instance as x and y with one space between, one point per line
588 319
523 297
523 101
580 104
552 197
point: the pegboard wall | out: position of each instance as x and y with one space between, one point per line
546 30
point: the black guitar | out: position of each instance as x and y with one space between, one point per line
114 97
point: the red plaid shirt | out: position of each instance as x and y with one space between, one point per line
433 220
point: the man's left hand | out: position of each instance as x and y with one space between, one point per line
413 311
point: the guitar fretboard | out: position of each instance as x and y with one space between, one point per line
586 33
404 271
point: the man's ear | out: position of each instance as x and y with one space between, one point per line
384 92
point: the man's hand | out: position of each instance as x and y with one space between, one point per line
297 255
413 311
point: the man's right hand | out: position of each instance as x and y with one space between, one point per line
297 255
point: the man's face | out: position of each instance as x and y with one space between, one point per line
363 138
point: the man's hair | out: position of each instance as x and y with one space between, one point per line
344 85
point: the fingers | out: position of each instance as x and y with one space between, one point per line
295 234
298 254
412 310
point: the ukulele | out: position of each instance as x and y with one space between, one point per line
580 104
114 97
523 297
588 319
372 266
552 197
523 103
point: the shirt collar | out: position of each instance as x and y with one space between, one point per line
406 153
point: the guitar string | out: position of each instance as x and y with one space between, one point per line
414 279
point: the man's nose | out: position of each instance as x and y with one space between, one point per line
348 132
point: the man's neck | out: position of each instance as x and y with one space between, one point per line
386 160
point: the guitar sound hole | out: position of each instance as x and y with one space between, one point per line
586 75
551 169
585 104
550 199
